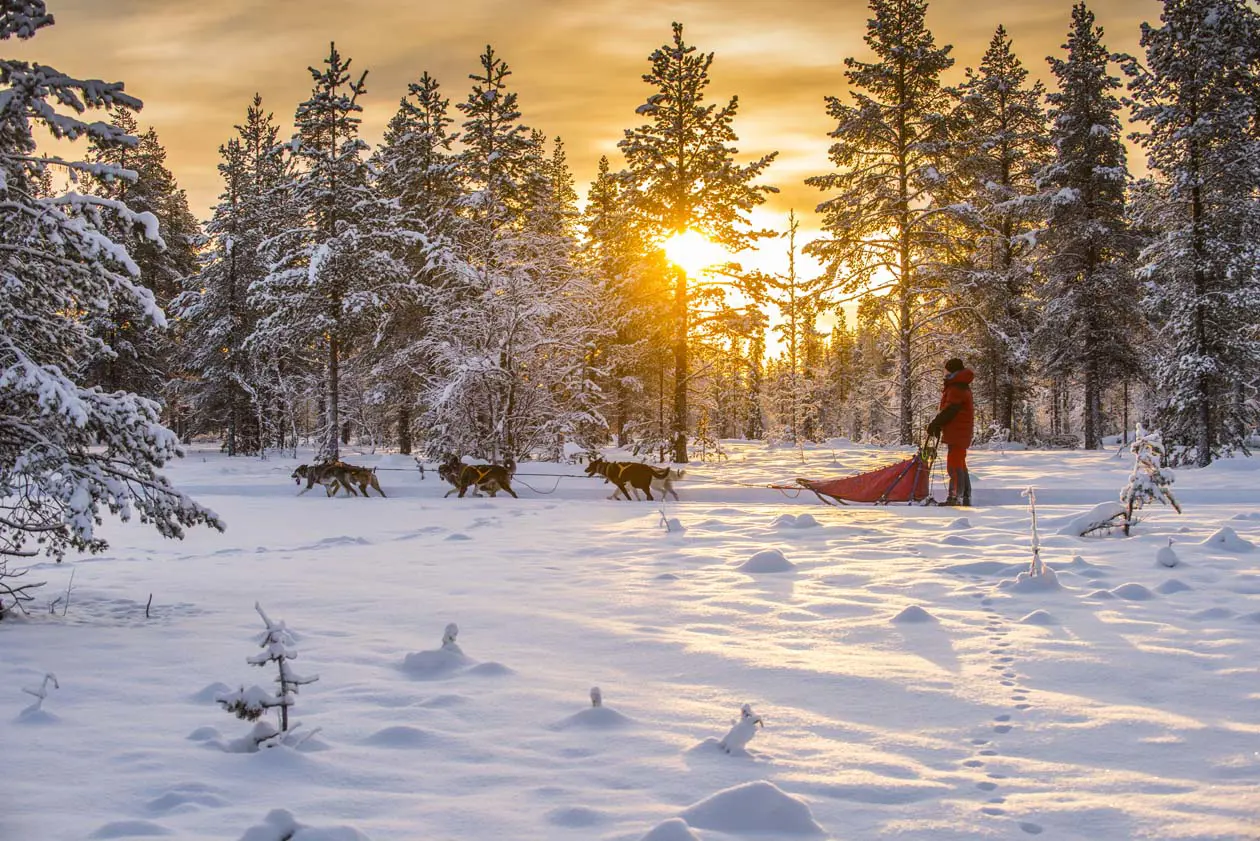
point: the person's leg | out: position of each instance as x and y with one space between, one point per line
955 462
964 477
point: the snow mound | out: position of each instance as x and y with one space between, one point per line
1166 557
402 736
459 535
575 816
1027 583
1101 594
280 825
753 807
1251 617
1212 613
793 521
1133 592
1039 617
1079 524
595 718
491 669
767 560
1227 539
1173 585
214 690
960 523
667 576
673 525
1253 515
131 829
913 615
439 663
204 734
674 829
957 540
985 568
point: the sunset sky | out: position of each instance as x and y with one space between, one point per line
576 63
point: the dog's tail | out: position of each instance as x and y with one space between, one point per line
663 473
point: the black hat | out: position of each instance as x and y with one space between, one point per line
954 364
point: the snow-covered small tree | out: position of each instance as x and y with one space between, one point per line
1149 481
40 692
68 450
742 731
250 704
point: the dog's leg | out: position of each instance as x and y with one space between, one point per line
376 485
448 493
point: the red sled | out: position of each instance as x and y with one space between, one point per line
906 481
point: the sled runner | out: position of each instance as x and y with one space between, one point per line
907 481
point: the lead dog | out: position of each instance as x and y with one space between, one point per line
490 478
640 477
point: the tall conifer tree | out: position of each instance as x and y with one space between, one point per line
683 168
886 219
1197 96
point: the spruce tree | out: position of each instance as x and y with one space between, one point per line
232 389
69 451
682 165
325 288
417 173
1089 303
885 224
510 355
1001 142
1197 97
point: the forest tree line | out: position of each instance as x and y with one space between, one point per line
446 291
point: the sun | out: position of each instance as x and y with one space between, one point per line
693 253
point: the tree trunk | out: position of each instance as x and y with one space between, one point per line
905 384
680 369
404 430
332 443
1093 407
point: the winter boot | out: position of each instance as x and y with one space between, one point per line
952 501
965 489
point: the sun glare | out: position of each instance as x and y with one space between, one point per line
693 253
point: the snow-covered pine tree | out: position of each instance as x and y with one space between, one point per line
685 177
510 357
885 224
1197 99
416 171
329 269
144 355
233 389
67 450
1002 141
1089 303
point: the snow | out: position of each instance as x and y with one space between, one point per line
1010 712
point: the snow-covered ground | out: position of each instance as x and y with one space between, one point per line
907 689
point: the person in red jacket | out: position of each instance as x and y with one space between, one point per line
955 424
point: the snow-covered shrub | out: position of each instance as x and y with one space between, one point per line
17 592
1149 481
250 704
1037 568
742 731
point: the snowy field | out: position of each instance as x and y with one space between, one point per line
906 692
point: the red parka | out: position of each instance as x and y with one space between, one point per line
957 418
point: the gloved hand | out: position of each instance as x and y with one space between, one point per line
934 430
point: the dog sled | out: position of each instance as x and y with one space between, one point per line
907 481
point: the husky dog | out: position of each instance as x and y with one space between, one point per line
335 476
490 478
640 477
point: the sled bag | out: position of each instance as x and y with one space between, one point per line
906 481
